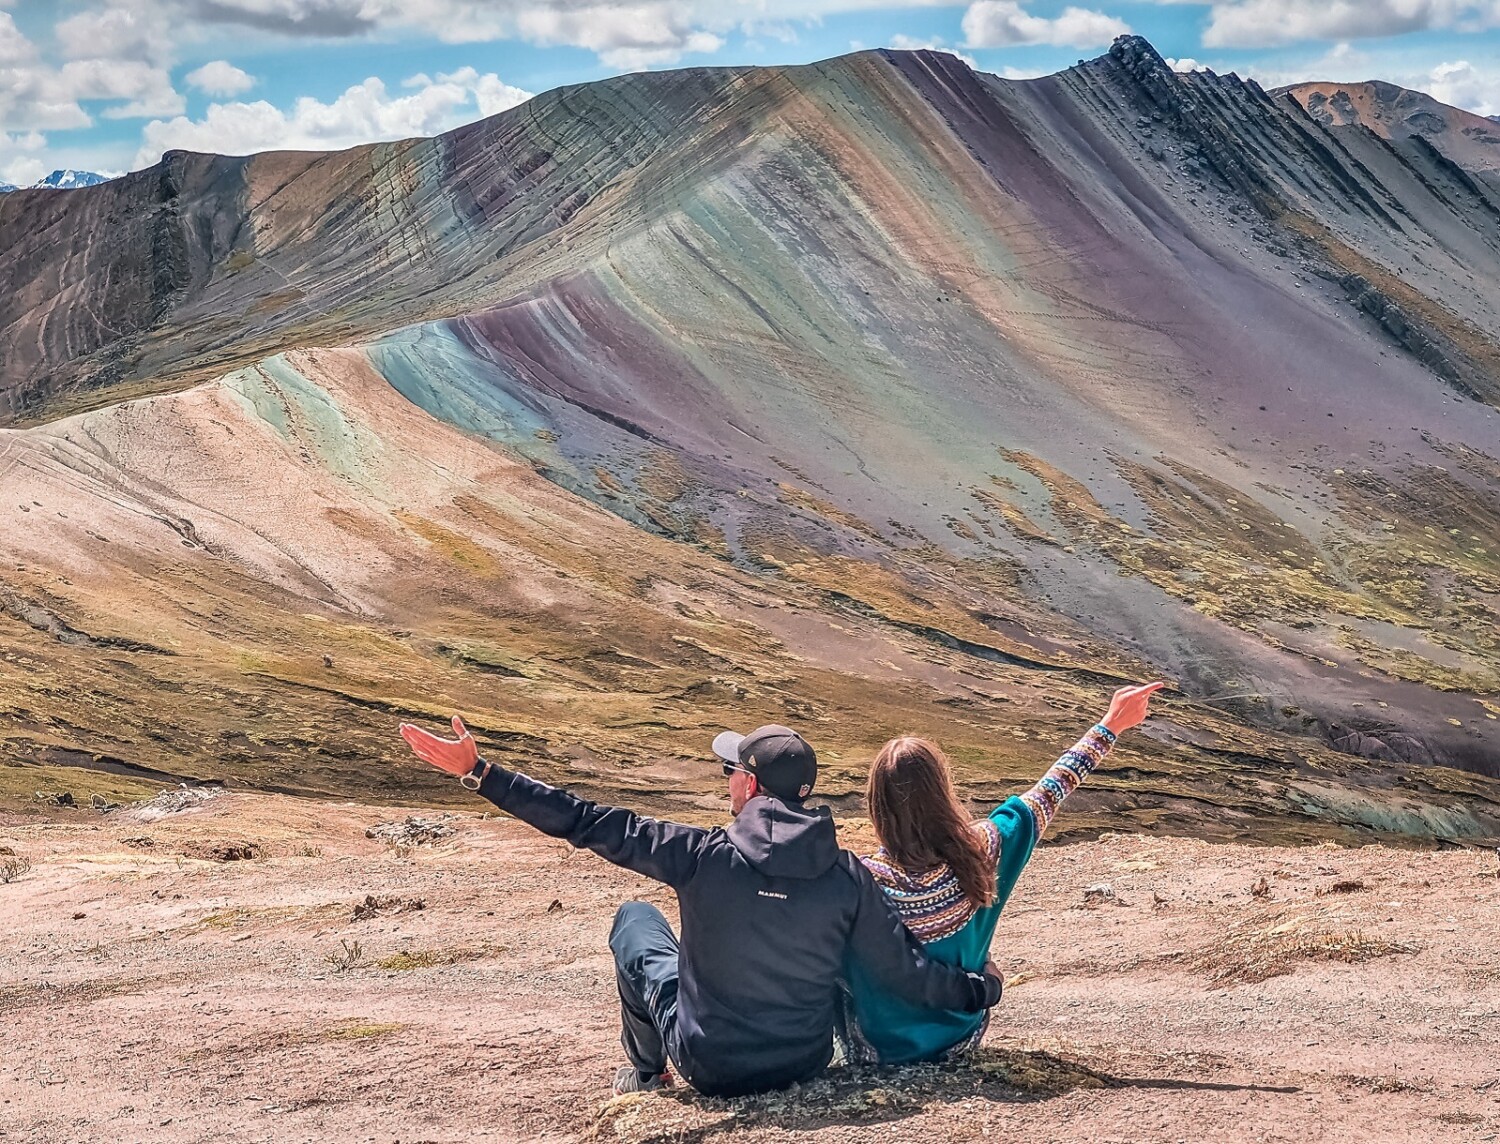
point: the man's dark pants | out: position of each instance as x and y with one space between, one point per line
645 950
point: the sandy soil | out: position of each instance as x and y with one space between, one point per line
152 991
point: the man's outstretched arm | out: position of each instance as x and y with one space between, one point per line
666 851
883 945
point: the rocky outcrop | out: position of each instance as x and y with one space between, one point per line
1395 322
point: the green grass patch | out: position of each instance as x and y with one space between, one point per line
361 1030
19 783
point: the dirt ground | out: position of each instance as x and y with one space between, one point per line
153 986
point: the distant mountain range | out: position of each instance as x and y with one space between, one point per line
1397 113
65 180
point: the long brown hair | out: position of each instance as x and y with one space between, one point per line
919 820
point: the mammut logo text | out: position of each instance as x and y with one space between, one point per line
771 894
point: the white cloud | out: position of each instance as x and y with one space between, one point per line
15 48
913 44
1261 23
32 100
1461 84
623 36
629 34
365 113
119 32
1003 23
1186 64
147 89
781 30
1023 73
220 77
1342 63
20 158
312 18
492 95
35 96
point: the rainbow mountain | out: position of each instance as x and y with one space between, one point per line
871 396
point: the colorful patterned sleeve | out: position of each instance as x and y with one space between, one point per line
1076 764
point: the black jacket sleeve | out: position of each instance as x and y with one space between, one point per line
665 851
883 945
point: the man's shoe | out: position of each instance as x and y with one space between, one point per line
627 1079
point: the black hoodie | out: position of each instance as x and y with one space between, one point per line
769 908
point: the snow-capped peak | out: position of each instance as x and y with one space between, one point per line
67 180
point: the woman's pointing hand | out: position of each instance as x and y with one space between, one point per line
1129 707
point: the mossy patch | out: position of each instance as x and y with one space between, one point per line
407 960
358 1030
454 547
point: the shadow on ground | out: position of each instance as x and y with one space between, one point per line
863 1096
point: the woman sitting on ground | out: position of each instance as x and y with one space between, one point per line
949 877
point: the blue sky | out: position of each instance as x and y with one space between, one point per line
108 84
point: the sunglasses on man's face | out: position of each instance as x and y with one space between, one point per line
730 768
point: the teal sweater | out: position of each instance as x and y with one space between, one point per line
886 1029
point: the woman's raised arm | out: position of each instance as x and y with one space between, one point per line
1127 709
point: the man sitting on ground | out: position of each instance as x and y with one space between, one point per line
769 905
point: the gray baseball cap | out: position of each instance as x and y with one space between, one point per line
781 760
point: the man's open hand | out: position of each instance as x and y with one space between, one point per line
453 756
1129 706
